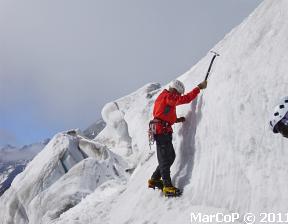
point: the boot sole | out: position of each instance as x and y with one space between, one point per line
177 194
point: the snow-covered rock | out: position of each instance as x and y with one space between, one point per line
59 178
129 141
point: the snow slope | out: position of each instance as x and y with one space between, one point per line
227 158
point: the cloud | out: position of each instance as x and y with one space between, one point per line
7 136
61 61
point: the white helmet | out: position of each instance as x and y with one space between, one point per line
178 85
279 113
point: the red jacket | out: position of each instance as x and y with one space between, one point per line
165 108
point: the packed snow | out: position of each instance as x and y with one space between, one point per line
227 158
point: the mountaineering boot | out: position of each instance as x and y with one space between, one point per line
152 183
171 191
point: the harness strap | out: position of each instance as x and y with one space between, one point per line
152 129
157 120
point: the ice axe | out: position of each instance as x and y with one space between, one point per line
211 63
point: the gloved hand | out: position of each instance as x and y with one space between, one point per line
180 119
203 84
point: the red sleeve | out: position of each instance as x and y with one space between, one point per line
175 100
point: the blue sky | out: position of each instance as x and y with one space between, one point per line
61 61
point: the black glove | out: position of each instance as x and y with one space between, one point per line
180 119
203 84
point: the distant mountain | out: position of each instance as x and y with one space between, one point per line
94 129
9 170
7 147
13 161
10 153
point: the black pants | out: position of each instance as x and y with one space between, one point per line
166 157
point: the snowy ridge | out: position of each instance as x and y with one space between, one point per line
58 178
227 159
119 134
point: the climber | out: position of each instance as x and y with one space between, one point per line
279 120
164 117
